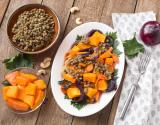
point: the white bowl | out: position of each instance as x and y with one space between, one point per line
64 104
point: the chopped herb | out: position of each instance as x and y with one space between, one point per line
115 72
6 83
79 37
132 47
66 84
66 97
79 105
61 82
20 60
112 34
115 49
111 37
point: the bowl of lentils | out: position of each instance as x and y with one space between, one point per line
33 28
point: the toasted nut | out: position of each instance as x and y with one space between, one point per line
74 9
47 59
41 72
45 65
78 21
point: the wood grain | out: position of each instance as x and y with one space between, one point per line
3 7
6 116
50 112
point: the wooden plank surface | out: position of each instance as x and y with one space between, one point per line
90 10
3 7
50 112
6 116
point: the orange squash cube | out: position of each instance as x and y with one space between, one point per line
109 61
91 77
38 98
30 89
69 78
73 92
4 91
22 81
21 93
96 38
30 77
102 85
105 55
40 84
91 92
17 105
12 92
11 77
28 99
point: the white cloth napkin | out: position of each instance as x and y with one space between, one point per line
145 107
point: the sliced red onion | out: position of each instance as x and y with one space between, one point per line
112 85
93 31
82 92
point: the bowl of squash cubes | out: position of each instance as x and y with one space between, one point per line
23 90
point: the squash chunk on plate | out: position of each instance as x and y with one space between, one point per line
73 92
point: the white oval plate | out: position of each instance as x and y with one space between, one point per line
58 63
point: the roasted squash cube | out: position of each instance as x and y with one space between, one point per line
73 92
109 61
91 92
17 105
91 77
28 99
11 77
21 93
30 77
102 85
12 92
69 78
75 48
4 91
38 97
83 46
30 89
40 84
22 81
96 38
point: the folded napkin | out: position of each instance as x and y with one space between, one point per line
145 107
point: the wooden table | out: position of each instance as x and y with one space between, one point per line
90 10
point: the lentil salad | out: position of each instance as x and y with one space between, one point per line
89 68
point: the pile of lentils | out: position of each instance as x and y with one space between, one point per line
33 30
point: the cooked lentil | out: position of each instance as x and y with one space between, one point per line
33 30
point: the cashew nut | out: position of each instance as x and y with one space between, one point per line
46 63
78 21
47 59
41 72
74 9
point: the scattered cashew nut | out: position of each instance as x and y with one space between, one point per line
47 59
78 21
74 9
46 63
41 72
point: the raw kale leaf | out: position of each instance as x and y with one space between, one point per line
20 60
132 47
